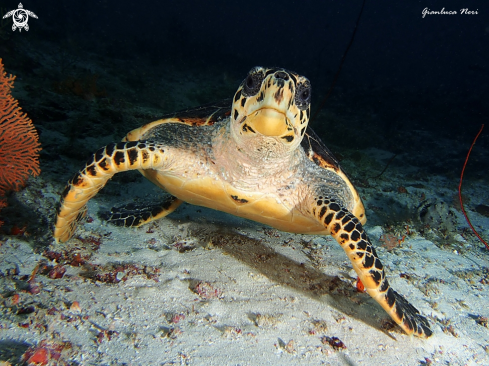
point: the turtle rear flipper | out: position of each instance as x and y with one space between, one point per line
132 215
107 161
349 233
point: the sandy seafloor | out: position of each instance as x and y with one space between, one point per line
204 288
213 289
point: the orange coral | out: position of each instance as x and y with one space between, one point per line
19 142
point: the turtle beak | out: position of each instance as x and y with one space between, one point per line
270 118
268 122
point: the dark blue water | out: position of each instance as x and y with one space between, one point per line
404 72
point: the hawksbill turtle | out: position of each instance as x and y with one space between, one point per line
255 157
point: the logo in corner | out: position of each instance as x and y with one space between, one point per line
20 17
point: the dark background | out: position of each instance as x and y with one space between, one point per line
403 74
394 44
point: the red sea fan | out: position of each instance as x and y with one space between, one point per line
19 142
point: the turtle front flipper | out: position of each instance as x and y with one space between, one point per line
107 161
132 215
349 233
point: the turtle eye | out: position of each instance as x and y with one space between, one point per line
252 83
303 95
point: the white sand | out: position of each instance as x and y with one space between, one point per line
270 296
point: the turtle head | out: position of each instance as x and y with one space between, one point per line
274 105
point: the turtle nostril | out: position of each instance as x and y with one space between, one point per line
282 75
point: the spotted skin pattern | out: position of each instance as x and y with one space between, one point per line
267 125
349 233
132 215
107 161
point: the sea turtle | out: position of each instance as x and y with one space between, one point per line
255 157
